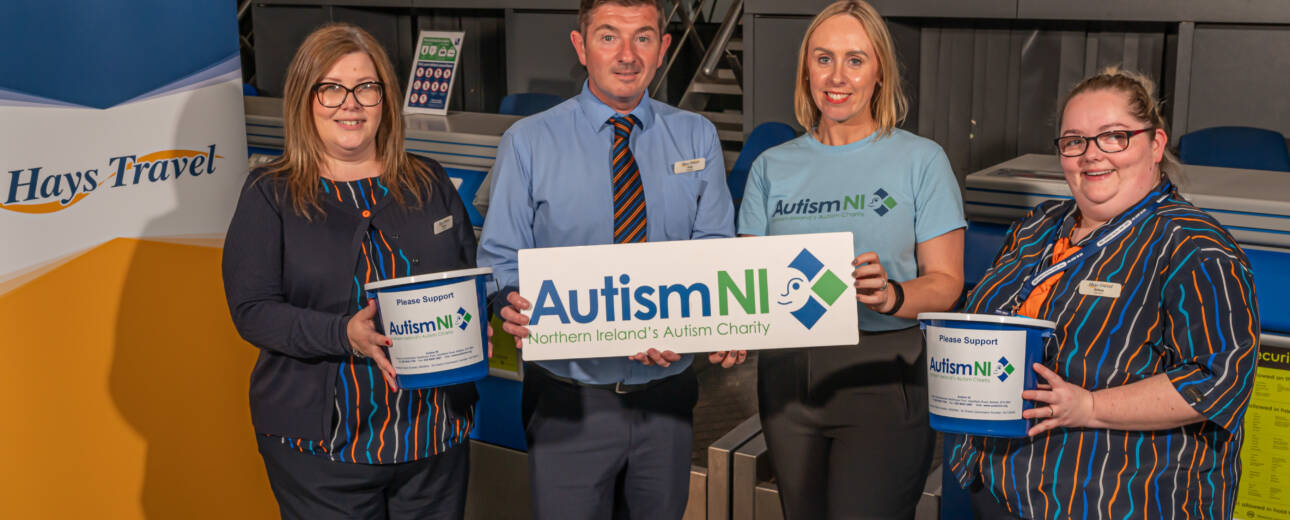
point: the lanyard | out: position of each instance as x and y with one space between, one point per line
1146 208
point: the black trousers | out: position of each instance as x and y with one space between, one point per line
595 454
312 487
846 427
984 505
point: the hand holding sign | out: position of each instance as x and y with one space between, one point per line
513 322
871 284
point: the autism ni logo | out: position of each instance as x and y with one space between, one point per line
463 318
1000 369
882 202
811 290
879 202
824 287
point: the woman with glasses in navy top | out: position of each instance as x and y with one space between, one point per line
344 206
1152 363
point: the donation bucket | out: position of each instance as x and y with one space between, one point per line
437 324
977 366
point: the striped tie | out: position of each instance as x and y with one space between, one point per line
629 195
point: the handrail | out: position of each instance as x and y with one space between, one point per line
688 14
710 59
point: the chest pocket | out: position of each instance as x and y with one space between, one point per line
680 207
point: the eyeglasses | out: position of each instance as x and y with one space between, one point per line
332 95
1109 142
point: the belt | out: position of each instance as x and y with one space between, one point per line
618 388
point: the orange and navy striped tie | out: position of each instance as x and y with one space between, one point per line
629 194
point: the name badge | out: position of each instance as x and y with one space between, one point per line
443 224
1100 289
690 166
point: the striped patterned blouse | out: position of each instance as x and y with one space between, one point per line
1187 309
371 424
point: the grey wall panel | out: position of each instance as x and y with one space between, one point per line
481 76
389 27
774 58
1240 75
278 32
1247 11
990 91
896 8
539 56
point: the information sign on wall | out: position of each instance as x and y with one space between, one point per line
434 70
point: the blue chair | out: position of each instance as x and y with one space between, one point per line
762 138
1235 147
527 103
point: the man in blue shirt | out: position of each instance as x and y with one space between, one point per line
609 166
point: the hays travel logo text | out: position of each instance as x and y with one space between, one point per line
37 189
879 203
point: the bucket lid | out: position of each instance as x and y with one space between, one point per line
429 277
987 318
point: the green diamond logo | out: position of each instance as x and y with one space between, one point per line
890 203
829 287
1009 369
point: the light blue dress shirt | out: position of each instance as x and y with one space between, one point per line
552 188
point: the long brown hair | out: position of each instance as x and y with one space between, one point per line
888 105
302 156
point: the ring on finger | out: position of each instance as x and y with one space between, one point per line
1051 411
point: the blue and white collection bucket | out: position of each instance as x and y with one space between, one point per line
977 367
437 324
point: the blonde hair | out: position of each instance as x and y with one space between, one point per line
888 105
1143 105
303 152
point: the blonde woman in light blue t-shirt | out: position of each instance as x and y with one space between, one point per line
847 426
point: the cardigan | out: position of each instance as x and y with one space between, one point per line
289 284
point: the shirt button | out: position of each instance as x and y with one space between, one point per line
367 214
416 261
395 236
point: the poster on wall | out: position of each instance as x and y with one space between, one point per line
434 69
1265 457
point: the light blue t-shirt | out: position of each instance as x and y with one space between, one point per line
891 192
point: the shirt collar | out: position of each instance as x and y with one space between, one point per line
1071 216
598 113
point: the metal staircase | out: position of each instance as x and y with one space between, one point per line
715 91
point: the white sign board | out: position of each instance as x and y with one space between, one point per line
434 69
689 296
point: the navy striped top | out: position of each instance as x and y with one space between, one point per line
1186 309
371 424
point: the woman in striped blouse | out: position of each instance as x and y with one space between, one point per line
344 206
1152 362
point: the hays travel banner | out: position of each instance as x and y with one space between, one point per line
121 119
122 151
689 296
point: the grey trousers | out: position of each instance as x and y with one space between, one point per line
595 454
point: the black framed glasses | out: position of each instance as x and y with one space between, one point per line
332 95
1109 142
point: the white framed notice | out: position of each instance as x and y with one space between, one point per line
434 69
689 296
